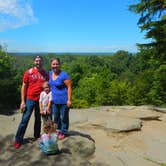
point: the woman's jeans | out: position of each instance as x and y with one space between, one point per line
61 116
30 105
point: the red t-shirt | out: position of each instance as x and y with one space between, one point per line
34 80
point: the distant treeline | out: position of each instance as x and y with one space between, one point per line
61 53
119 79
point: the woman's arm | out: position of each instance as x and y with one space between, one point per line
69 92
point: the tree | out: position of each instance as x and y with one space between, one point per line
120 62
118 92
8 81
153 21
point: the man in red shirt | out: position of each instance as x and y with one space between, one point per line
30 92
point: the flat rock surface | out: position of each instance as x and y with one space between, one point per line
92 141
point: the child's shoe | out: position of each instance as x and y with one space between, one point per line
16 145
61 136
57 132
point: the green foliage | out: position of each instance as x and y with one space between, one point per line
153 161
118 92
137 94
8 82
87 89
159 85
79 103
120 79
152 21
149 11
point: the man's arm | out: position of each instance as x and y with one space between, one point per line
23 95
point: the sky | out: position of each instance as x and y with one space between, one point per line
69 26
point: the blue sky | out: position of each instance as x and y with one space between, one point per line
68 26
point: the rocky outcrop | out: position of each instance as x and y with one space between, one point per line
73 150
123 124
100 136
142 114
163 110
78 145
115 119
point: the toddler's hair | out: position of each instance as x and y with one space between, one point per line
49 127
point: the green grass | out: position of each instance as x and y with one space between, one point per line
156 162
163 105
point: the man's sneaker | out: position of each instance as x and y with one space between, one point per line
16 145
61 136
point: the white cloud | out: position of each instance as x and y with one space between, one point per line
15 13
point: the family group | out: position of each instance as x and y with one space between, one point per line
48 95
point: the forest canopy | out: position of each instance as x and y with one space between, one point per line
121 78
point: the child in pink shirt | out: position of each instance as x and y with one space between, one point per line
48 140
